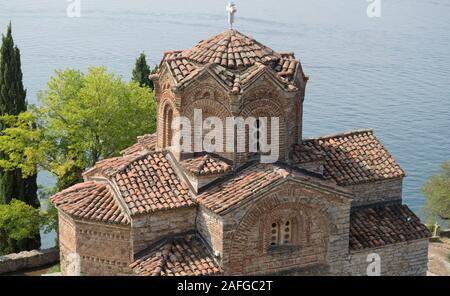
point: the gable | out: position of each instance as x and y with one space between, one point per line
247 185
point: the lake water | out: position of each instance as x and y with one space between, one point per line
391 73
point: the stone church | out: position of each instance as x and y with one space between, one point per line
330 205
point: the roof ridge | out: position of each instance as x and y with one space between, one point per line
342 134
133 158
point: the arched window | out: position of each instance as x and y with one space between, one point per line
281 233
167 126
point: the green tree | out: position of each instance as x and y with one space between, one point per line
437 192
13 102
142 71
82 118
19 221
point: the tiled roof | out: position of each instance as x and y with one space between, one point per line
179 256
146 180
148 183
246 182
205 165
90 201
144 143
382 225
350 158
286 66
234 58
238 188
231 49
179 66
110 166
307 153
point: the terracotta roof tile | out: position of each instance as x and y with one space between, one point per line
148 183
377 226
179 66
307 153
239 187
90 201
179 256
231 49
350 158
205 165
234 58
111 165
144 143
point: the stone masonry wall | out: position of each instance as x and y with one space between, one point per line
28 259
381 191
210 227
67 241
401 259
150 228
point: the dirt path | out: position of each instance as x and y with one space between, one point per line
438 260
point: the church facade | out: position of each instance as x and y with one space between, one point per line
329 205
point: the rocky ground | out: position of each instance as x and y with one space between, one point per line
438 260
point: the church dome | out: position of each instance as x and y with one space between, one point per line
232 50
235 59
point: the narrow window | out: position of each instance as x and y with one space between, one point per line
274 234
258 136
287 233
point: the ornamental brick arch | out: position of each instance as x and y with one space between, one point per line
249 246
210 108
205 88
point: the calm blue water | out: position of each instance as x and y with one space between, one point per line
390 73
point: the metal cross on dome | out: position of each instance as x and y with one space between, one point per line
231 10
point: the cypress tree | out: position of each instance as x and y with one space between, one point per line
141 72
13 101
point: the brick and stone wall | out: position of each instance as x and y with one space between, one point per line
320 238
92 248
150 228
401 259
67 240
210 227
374 192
